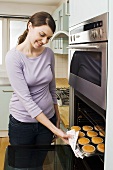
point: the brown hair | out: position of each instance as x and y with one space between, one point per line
38 19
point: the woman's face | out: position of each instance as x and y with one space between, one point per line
39 36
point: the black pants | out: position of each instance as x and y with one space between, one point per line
30 134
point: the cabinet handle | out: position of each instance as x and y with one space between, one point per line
66 7
7 91
83 46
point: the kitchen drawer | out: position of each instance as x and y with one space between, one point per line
5 96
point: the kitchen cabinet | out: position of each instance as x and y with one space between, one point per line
81 10
61 19
5 95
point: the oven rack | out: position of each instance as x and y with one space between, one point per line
88 163
87 105
91 117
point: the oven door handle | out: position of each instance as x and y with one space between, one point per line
85 46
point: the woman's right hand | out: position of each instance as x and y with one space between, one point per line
65 137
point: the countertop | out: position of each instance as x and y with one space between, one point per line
64 115
4 81
64 110
62 83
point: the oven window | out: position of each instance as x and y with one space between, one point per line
87 65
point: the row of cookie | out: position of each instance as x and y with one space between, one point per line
89 130
91 149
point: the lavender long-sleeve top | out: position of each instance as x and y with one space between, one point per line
33 82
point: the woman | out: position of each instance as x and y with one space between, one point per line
34 115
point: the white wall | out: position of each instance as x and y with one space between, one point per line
23 9
61 66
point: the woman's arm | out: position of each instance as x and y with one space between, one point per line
52 88
57 115
46 122
14 66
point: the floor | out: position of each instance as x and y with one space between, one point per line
4 142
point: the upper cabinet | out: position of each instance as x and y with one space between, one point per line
60 38
81 10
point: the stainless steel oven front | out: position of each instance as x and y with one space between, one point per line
88 55
88 46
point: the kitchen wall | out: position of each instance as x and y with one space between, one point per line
23 9
61 66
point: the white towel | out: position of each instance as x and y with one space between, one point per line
73 143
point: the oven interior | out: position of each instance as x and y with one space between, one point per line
85 115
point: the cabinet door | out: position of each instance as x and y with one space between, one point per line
55 42
59 45
81 10
60 27
60 19
5 96
63 19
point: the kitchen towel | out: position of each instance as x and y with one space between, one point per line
73 143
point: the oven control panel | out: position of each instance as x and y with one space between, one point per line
89 36
98 33
92 30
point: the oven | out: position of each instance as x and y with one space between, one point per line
88 53
88 46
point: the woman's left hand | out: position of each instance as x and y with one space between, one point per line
58 123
